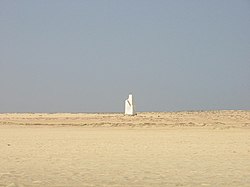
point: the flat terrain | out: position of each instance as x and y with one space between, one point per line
206 119
150 149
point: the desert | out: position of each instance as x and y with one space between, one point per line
187 148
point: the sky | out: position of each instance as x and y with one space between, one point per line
87 56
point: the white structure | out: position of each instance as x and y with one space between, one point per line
130 106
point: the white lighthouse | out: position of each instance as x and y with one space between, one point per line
130 106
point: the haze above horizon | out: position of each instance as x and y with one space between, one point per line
87 56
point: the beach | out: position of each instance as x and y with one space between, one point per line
199 148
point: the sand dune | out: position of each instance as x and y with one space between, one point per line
150 149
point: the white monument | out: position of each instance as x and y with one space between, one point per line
130 106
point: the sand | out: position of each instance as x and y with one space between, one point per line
150 149
205 119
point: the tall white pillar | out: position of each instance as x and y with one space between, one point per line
129 106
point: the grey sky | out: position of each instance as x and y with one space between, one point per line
87 56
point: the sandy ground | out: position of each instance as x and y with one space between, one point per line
150 149
206 119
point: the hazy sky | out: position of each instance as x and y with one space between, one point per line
88 55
